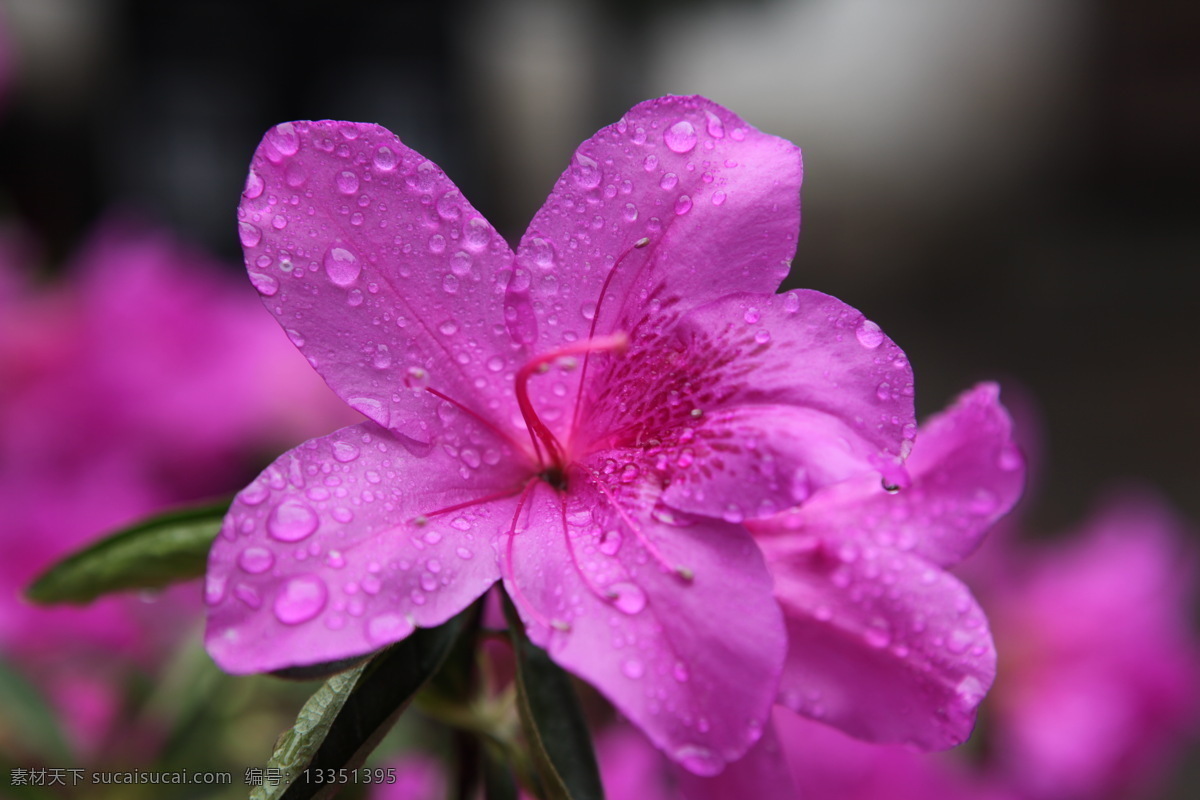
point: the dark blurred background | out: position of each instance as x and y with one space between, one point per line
1007 188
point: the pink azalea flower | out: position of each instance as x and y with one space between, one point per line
589 420
883 642
1098 695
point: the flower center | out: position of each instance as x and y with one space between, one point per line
550 453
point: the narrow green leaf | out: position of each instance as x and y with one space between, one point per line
553 720
156 552
30 716
343 722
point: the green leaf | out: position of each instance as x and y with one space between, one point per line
159 551
342 723
553 721
31 717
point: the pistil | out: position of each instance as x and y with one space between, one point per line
549 451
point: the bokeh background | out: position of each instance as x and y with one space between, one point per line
1008 188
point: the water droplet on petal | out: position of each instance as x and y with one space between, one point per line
389 627
680 137
669 181
633 669
341 266
254 186
627 597
266 285
683 205
256 560
284 139
610 542
586 172
301 599
869 335
475 234
254 494
249 234
718 198
385 159
345 452
347 182
716 128
464 553
698 760
291 521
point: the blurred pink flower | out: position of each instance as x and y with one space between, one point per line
1099 683
145 378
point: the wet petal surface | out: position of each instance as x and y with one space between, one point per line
336 549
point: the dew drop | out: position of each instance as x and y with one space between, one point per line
254 494
254 186
650 163
631 212
302 599
627 597
295 175
389 627
291 521
382 358
464 553
610 542
284 138
347 182
345 452
448 328
385 159
450 283
437 244
680 137
341 266
716 128
266 285
698 760
683 205
669 181
718 198
256 560
633 669
586 172
249 234
475 234
588 310
869 335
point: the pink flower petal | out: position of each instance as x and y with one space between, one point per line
677 204
800 349
882 644
762 774
605 589
965 473
367 254
337 548
689 175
